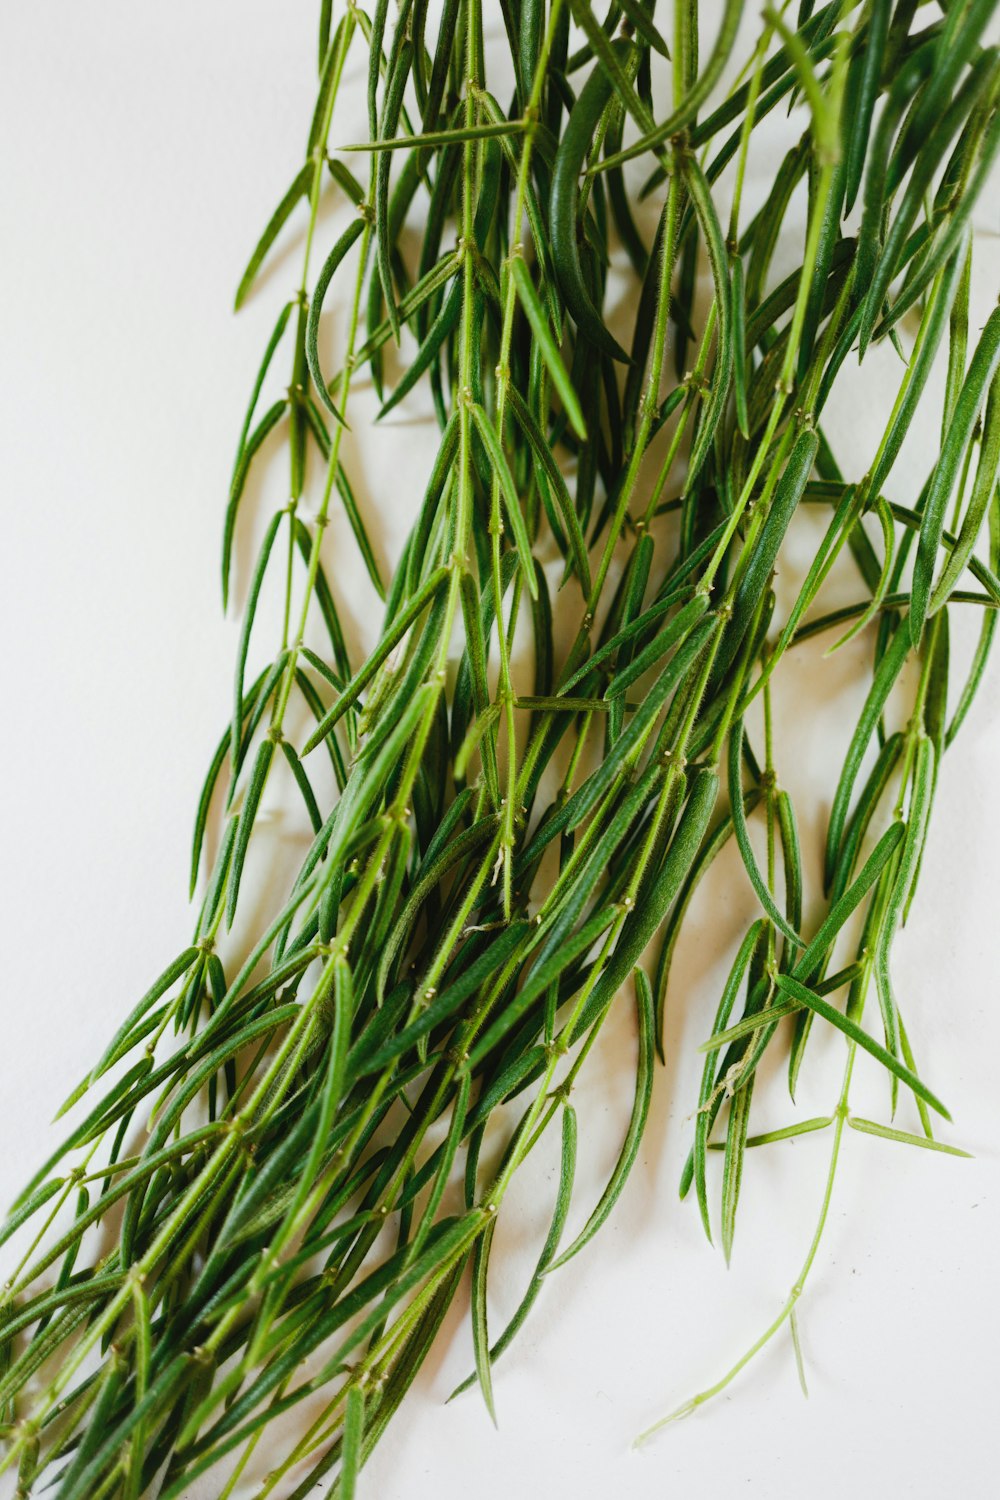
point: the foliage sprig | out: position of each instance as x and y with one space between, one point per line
258 1206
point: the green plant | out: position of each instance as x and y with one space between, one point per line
501 854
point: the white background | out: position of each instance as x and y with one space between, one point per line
144 147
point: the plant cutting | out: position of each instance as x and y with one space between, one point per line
297 1147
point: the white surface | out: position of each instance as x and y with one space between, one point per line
144 148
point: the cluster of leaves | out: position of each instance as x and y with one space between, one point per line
278 1232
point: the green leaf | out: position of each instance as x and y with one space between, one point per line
441 137
399 71
641 724
442 1175
977 668
480 1333
508 489
331 67
174 971
786 1133
731 989
732 1167
739 346
405 619
562 705
455 852
30 1207
685 111
638 17
564 207
764 896
265 365
243 646
854 1033
613 59
857 126
977 382
354 1432
877 602
658 896
791 854
249 450
909 858
551 962
274 226
539 323
563 1196
983 491
351 234
678 630
636 1126
248 816
824 122
360 531
885 677
904 1137
749 1024
949 236
821 943
708 219
441 329
784 503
